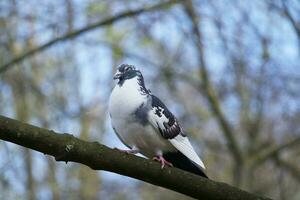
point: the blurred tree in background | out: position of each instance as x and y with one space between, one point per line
229 70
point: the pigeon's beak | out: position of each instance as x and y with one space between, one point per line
117 75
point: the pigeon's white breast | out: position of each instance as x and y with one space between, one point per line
125 99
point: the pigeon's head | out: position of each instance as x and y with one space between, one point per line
125 72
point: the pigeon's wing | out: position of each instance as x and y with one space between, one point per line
167 125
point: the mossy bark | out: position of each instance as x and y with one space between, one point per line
65 147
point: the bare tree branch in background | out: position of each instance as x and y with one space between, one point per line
284 9
209 91
76 33
273 151
289 167
289 16
65 147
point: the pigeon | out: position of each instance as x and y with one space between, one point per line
145 125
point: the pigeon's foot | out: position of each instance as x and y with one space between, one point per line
162 161
130 151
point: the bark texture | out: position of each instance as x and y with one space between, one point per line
65 147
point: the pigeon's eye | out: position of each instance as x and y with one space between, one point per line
128 68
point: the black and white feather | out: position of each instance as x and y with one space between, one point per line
164 121
144 123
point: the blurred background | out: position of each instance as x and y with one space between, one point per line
229 71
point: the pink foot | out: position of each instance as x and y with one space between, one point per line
130 151
162 161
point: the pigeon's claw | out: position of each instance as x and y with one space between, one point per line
162 161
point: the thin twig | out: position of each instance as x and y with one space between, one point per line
273 151
76 33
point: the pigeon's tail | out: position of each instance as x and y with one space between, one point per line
182 162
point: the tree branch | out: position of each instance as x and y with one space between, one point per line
293 22
76 33
289 167
65 147
273 151
208 88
